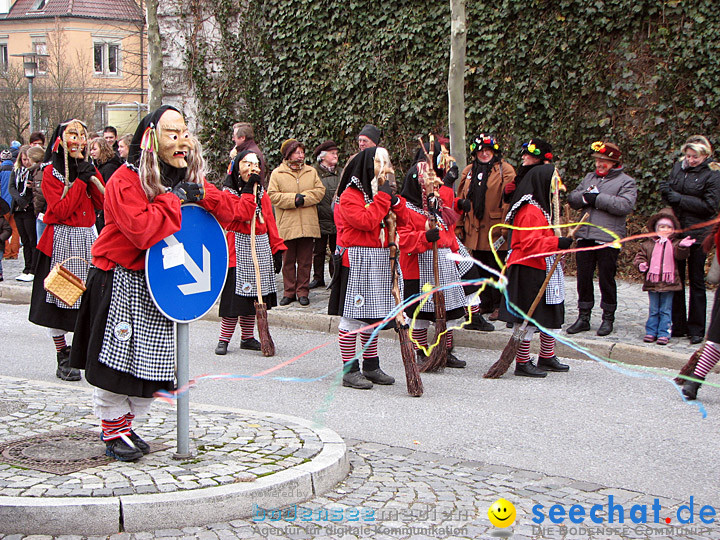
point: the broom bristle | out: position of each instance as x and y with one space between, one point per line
689 368
412 374
499 368
438 356
267 347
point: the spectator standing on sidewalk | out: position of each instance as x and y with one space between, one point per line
295 190
23 210
36 155
608 194
6 167
5 231
693 192
326 157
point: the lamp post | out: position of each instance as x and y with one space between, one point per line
30 68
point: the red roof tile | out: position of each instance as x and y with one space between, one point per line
120 10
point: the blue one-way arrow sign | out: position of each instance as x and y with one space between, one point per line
186 271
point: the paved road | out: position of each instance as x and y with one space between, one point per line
592 425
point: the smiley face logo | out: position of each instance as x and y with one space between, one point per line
502 513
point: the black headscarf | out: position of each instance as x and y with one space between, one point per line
55 152
536 182
411 190
362 167
478 183
171 176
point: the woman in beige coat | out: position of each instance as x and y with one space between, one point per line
295 190
482 183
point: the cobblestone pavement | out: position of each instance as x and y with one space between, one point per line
232 448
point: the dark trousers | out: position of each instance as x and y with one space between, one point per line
25 222
692 324
320 253
297 262
605 260
491 297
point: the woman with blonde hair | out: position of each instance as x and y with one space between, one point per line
693 192
22 209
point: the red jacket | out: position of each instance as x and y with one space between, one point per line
76 209
242 225
133 224
361 222
411 228
527 243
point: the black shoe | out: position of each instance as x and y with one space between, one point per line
355 379
119 449
694 340
528 369
250 344
582 324
606 328
287 300
479 323
315 283
690 388
221 348
304 301
139 443
454 362
64 371
552 364
378 376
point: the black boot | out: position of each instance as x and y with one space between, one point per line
479 323
373 373
453 361
582 324
120 450
551 364
608 317
528 369
64 371
690 388
354 379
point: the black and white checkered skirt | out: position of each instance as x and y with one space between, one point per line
138 339
448 273
71 248
245 284
368 294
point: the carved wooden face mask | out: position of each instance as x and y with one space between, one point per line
75 139
248 165
174 140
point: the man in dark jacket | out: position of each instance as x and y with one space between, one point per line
326 161
693 192
608 195
244 139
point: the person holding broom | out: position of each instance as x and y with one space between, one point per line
362 287
428 199
122 341
237 302
530 206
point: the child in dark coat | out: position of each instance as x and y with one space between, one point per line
656 260
5 231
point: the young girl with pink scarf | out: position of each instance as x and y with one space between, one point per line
656 259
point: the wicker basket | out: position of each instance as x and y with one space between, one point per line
63 284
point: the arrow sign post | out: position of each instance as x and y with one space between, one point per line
185 273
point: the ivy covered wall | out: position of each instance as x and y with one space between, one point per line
641 73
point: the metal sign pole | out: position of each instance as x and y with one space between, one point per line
183 399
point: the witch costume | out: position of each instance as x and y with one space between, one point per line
361 290
122 341
237 302
526 269
69 235
416 253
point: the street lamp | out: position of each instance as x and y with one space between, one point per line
30 67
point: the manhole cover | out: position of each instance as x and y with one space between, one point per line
59 452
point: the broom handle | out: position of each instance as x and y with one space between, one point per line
252 249
549 275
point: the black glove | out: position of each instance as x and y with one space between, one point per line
590 197
564 242
464 205
432 235
673 197
254 180
386 188
299 200
85 170
277 261
451 176
189 192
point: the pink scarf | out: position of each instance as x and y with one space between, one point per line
662 259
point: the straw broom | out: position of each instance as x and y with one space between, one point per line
499 368
438 356
266 343
688 369
412 375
